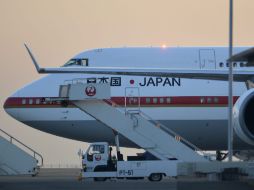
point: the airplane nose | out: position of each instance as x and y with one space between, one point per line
6 103
10 107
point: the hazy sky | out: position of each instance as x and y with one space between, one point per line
58 29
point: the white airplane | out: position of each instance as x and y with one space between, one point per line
185 88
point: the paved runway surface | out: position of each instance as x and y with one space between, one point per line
61 179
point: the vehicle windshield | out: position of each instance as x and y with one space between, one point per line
76 62
96 149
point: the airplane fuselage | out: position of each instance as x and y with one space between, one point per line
196 109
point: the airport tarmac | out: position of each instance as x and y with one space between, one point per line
68 179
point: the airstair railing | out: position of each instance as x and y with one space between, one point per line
32 152
172 133
77 81
159 125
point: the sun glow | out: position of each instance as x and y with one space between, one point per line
163 45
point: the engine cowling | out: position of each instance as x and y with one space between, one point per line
243 116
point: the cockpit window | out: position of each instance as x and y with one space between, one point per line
76 62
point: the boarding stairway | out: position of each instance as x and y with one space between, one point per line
94 99
17 158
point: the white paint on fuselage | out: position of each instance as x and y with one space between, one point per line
48 86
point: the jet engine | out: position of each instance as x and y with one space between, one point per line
243 116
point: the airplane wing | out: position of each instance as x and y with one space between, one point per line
247 55
239 75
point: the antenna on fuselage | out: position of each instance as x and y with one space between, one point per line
39 70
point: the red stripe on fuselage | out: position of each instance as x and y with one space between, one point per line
164 101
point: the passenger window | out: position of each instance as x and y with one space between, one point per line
148 100
23 101
84 62
70 63
37 101
30 101
155 100
168 100
161 100
77 62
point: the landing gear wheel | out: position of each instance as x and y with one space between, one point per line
155 177
100 179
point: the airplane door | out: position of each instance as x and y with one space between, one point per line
207 59
132 99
